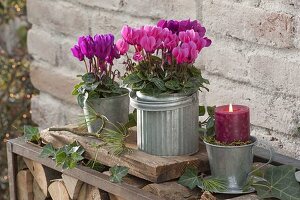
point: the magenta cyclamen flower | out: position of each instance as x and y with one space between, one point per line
122 46
77 52
87 46
148 43
130 35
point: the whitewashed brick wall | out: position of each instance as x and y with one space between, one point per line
254 59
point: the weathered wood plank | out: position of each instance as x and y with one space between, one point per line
140 164
25 185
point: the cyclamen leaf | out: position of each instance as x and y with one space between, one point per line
280 183
210 123
31 133
190 178
158 83
48 150
211 110
131 79
117 173
173 85
89 78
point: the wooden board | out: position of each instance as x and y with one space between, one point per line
140 164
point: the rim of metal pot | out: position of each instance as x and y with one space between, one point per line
113 97
253 139
163 97
161 105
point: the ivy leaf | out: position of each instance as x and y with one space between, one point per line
31 133
211 110
190 178
201 110
76 87
173 85
117 173
158 83
280 183
89 78
210 123
48 151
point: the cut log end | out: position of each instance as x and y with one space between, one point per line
58 191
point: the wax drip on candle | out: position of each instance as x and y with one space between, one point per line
230 108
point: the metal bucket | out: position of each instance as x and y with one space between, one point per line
115 109
231 163
167 125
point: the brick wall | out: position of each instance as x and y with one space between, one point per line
254 59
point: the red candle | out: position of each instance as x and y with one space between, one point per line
232 123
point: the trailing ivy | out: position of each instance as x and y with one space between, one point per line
207 127
67 156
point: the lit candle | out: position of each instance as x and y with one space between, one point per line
232 123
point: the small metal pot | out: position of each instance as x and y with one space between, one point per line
231 163
115 109
167 125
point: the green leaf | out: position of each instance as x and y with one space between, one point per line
48 151
60 157
132 119
280 183
158 83
190 178
214 184
80 100
131 79
89 78
201 110
76 87
117 173
173 85
31 133
210 123
211 110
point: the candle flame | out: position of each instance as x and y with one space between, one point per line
230 108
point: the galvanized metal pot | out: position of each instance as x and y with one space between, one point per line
115 109
231 163
167 125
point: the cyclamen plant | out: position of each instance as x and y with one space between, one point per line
98 54
164 57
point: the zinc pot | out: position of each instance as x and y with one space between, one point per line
231 163
167 125
115 109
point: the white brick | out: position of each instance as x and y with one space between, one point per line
226 58
48 111
280 142
249 23
42 45
111 22
273 111
58 82
60 16
275 73
177 9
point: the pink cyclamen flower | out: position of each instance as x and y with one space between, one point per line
77 52
180 54
148 43
131 35
193 52
122 46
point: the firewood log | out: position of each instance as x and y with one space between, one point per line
89 192
37 192
58 190
73 185
42 174
24 185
